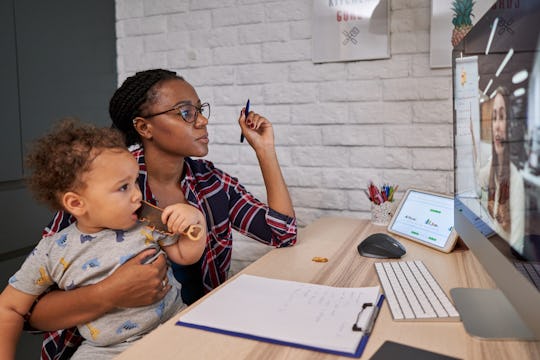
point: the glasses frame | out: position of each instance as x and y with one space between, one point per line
198 111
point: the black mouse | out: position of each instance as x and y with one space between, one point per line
381 246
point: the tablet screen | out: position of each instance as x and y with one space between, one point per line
425 217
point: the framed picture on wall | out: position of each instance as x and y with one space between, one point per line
350 30
451 20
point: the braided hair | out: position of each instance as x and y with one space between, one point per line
132 96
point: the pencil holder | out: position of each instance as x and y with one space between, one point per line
381 214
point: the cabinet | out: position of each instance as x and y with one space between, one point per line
58 59
10 151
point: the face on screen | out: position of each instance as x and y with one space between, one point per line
498 124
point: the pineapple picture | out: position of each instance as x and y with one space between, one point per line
462 19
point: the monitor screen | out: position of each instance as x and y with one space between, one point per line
496 87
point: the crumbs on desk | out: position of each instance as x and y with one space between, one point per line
320 259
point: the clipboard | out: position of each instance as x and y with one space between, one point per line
302 315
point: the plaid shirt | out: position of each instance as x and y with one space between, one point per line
226 205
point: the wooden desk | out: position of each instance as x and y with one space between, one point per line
336 239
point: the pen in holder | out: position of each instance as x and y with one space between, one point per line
382 203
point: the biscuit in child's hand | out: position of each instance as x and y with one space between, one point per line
320 259
151 215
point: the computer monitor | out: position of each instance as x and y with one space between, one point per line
496 88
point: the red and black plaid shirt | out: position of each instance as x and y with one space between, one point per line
226 204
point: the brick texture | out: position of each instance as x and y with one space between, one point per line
337 125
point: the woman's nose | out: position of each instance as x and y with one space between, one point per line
201 121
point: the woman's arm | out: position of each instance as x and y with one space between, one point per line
260 135
131 285
277 192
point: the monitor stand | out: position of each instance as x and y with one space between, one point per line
487 314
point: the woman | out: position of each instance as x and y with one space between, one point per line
501 177
165 122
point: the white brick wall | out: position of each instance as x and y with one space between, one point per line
337 125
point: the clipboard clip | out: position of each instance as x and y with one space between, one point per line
370 321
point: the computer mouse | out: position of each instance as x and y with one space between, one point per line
381 246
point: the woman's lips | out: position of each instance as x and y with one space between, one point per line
498 141
203 139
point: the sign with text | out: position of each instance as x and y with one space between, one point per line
350 30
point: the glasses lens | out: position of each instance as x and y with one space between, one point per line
205 110
188 113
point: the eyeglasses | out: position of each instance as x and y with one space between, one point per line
188 112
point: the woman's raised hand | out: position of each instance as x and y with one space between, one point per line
257 130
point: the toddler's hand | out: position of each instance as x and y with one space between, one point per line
179 217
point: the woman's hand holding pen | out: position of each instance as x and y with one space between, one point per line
257 130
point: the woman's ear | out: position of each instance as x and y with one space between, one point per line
143 127
74 203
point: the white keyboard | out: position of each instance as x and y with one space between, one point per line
413 293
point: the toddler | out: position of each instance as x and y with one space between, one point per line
88 172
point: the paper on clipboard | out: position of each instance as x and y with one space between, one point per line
311 316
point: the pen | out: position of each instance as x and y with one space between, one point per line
246 114
380 195
368 196
392 191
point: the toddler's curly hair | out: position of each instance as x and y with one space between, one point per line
59 159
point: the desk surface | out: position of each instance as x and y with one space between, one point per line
336 239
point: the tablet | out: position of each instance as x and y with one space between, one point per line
427 218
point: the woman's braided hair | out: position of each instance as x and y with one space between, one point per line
130 99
